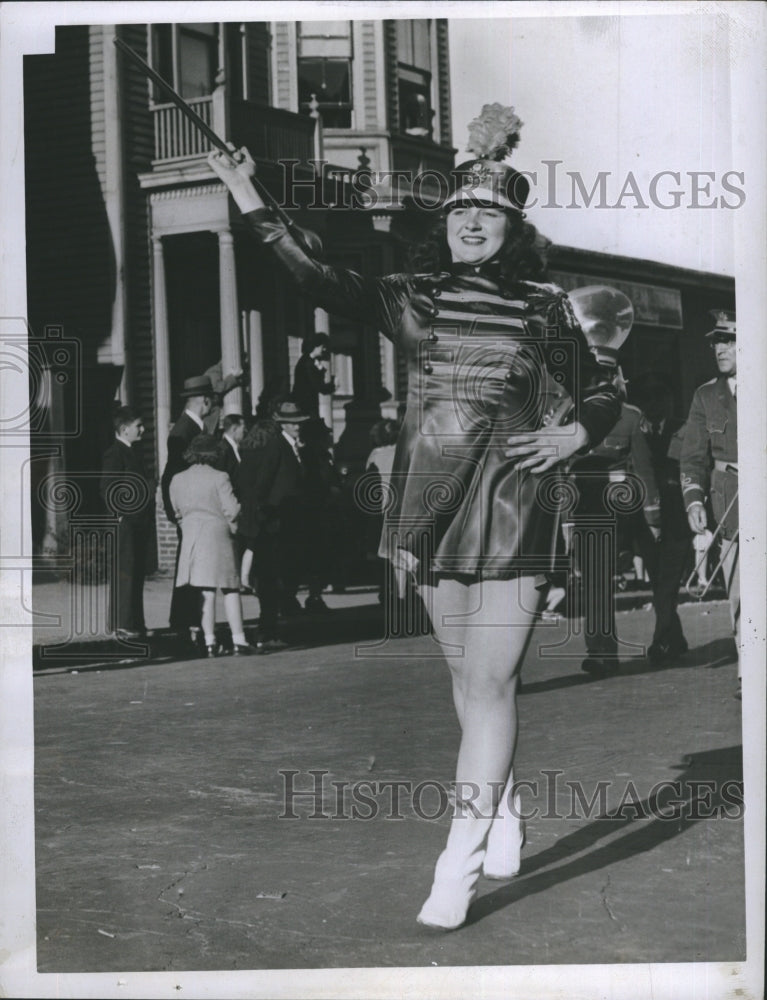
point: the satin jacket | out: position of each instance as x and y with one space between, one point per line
484 361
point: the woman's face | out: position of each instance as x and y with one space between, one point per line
475 233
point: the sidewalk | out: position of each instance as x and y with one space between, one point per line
186 816
75 616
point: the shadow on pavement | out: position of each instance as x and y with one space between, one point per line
711 655
640 826
342 625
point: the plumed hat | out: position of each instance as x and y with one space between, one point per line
486 178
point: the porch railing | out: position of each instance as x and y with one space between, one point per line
269 133
175 137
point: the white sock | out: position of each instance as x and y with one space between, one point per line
210 640
238 638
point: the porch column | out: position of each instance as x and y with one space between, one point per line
255 354
322 325
161 351
231 359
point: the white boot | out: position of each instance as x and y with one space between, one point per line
506 837
456 873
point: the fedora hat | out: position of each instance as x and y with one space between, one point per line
288 412
725 325
198 385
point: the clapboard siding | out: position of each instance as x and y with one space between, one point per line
70 261
366 103
137 150
443 69
392 90
97 108
284 70
258 46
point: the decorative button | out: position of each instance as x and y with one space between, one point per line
428 368
436 292
432 338
434 311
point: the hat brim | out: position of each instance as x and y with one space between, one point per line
189 393
298 418
480 195
721 335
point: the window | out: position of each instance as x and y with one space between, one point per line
414 77
186 55
325 70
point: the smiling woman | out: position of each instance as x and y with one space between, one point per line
492 355
475 233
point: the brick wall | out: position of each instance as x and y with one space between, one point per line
167 540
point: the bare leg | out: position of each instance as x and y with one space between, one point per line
233 609
209 616
245 567
494 638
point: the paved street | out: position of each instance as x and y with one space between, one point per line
160 787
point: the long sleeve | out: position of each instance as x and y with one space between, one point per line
695 460
588 383
641 461
110 467
230 506
174 504
378 302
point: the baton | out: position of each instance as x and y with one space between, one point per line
304 237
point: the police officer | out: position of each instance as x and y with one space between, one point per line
709 459
608 478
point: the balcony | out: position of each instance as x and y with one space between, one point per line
270 134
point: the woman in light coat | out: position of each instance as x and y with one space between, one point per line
207 510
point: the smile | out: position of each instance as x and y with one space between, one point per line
473 240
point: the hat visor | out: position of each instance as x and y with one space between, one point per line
721 335
297 418
478 195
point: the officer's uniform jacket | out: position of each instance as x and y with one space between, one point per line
710 445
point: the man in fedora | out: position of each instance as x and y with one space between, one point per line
272 484
198 395
709 458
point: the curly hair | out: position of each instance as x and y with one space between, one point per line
205 449
260 434
522 257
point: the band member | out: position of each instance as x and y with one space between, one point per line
198 393
126 490
709 459
607 478
465 518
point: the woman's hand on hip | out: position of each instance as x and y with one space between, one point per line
236 172
541 450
